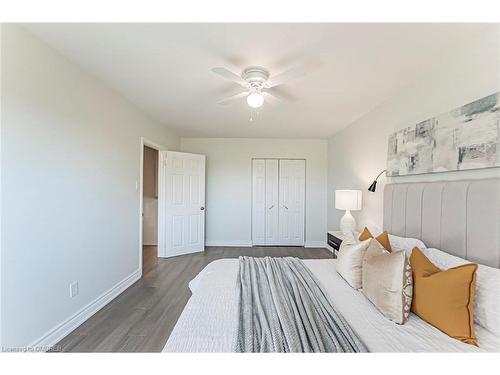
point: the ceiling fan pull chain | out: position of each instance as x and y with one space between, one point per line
254 114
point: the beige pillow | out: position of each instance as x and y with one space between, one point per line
387 281
350 262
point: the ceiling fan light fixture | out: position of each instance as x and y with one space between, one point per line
255 100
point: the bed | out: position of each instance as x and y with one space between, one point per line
459 217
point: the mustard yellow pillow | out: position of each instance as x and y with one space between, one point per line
444 299
382 238
366 234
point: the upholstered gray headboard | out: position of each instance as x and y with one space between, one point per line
459 217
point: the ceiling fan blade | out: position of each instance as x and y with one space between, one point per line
286 76
278 93
227 74
233 97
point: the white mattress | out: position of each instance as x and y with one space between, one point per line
209 320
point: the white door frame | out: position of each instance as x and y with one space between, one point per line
159 148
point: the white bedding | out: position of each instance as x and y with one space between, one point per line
208 322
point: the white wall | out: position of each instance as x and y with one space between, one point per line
70 159
359 152
228 186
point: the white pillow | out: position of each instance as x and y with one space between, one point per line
487 293
405 243
350 263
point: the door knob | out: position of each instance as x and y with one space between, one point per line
202 208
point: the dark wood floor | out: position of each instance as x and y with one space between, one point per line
142 317
149 258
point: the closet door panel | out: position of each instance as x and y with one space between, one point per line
258 201
272 202
291 202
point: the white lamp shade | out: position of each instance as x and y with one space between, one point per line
348 200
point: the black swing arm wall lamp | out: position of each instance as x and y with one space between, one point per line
373 186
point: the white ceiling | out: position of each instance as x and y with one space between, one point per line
165 69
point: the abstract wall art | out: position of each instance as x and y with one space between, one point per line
464 138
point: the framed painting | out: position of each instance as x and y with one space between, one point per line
464 138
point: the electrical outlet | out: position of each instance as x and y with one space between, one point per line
73 289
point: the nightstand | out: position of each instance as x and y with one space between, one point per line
335 239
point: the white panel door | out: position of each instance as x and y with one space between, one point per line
184 210
258 202
291 202
272 202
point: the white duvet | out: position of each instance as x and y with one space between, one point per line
209 320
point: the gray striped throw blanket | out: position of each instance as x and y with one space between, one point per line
282 308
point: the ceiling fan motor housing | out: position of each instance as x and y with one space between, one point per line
256 77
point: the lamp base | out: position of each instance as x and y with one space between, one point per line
347 223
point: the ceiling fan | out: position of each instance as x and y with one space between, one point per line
258 84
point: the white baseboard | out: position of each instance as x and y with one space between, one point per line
249 244
60 331
229 243
315 244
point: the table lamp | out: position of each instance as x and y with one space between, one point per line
349 200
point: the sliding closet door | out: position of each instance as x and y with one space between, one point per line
272 202
291 202
258 202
